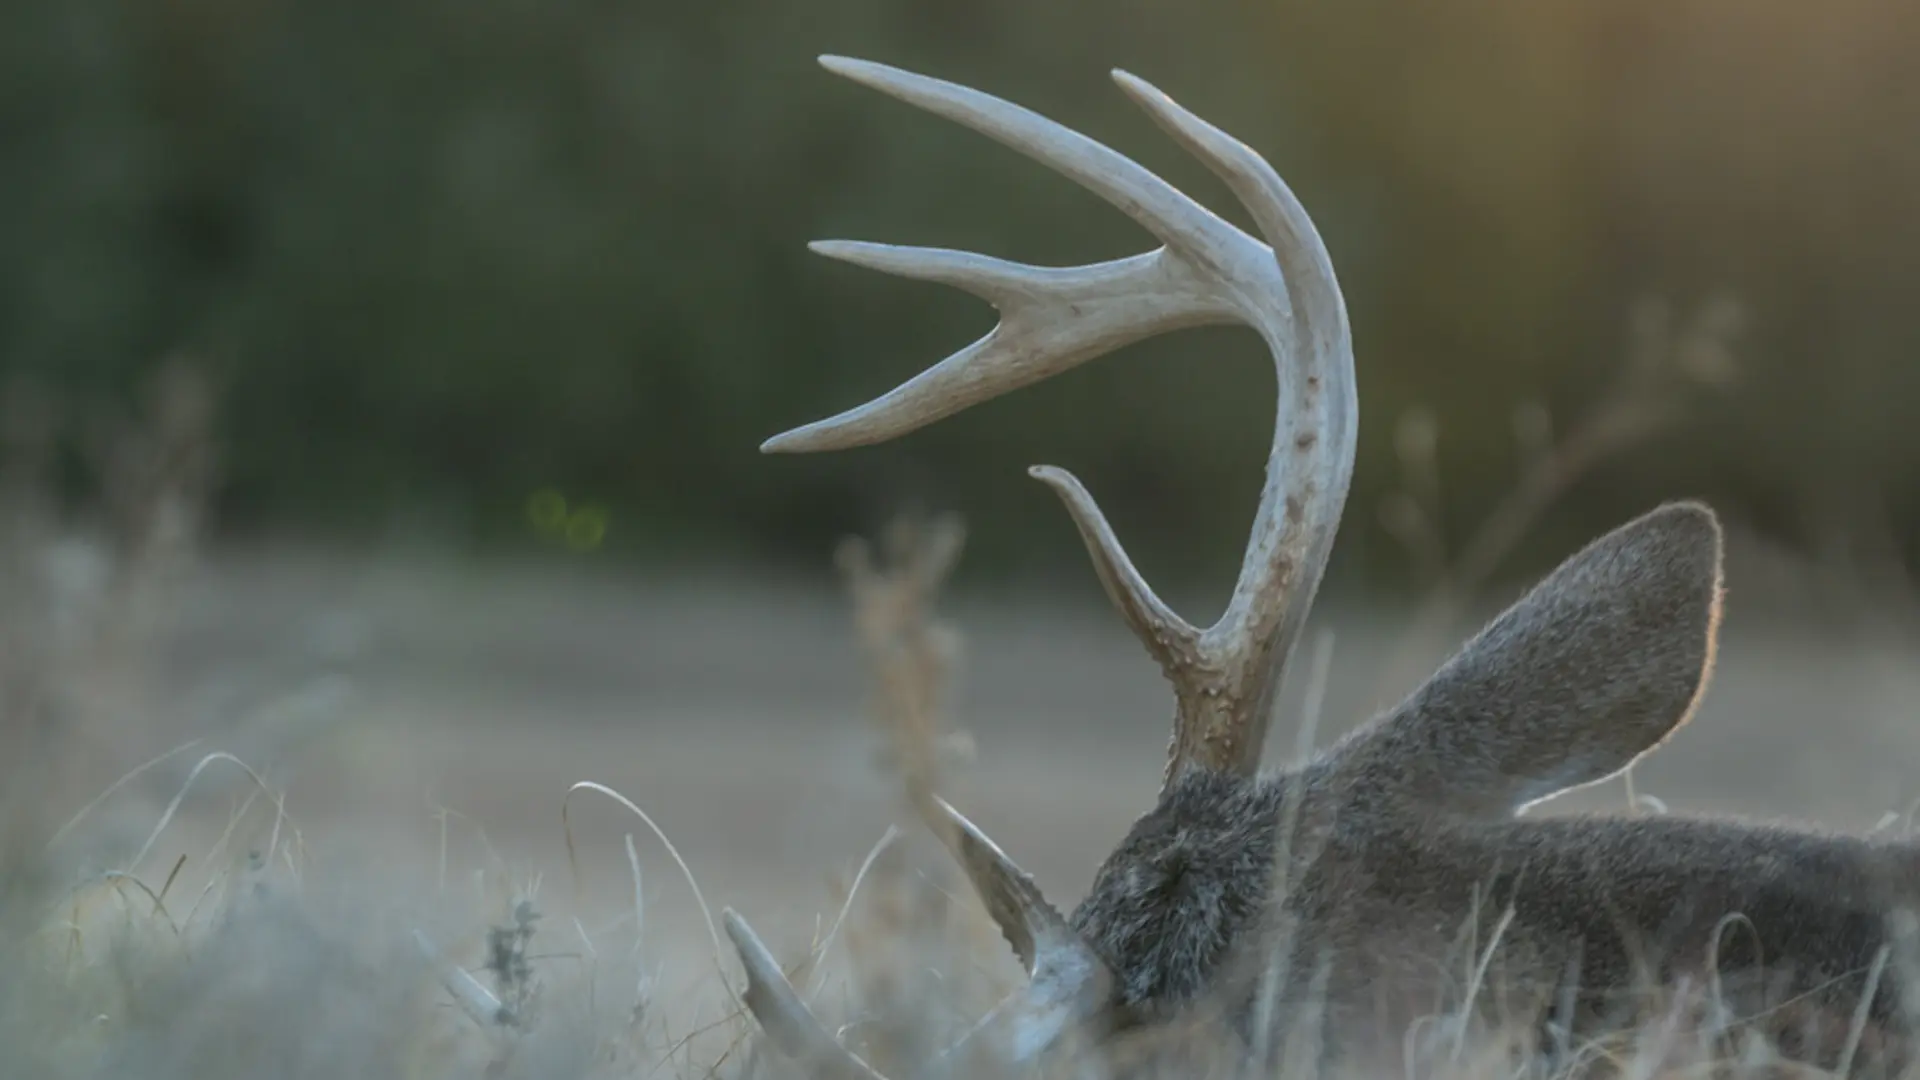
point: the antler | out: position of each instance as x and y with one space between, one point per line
1066 981
1051 319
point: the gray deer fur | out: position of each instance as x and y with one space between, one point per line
1406 826
1345 902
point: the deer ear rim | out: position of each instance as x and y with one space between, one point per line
1679 524
1701 516
1682 516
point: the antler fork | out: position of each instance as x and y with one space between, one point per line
1053 319
1206 271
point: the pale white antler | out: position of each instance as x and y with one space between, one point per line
1224 678
1207 271
1066 980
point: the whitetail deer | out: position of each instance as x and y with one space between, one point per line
1343 899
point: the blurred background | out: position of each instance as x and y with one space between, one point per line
440 258
384 380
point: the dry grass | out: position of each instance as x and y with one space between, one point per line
275 968
286 963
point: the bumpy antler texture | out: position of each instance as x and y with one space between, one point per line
1206 271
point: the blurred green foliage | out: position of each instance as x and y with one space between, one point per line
448 257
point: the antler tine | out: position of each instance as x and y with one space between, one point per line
1068 982
1132 188
784 1016
1120 302
1170 638
1036 930
1052 319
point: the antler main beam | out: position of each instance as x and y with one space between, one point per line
1051 319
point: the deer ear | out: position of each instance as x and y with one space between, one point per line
1593 668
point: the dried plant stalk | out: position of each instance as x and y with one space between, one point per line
910 651
911 655
80 609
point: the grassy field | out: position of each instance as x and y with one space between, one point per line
416 729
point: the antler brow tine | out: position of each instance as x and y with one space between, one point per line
1166 635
